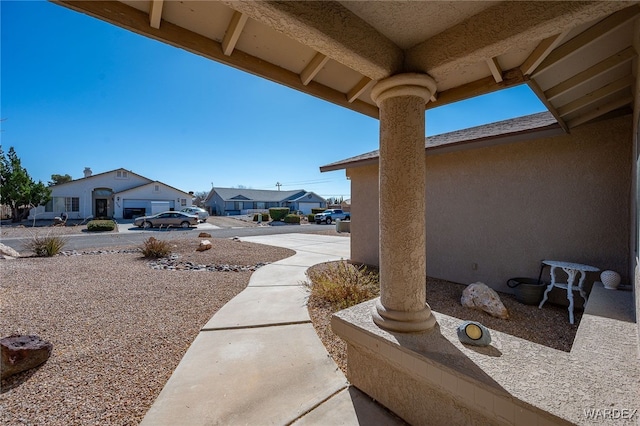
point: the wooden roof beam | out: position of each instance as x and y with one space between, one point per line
496 71
497 29
542 50
236 25
512 77
359 89
596 95
540 94
601 110
331 29
313 68
590 73
155 13
589 36
125 16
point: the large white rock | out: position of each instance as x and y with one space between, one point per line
204 245
480 296
7 252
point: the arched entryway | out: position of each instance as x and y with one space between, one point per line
102 202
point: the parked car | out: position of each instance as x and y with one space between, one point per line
197 211
166 219
331 215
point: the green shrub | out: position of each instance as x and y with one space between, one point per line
265 217
46 246
311 217
101 225
153 248
292 218
278 213
341 284
316 211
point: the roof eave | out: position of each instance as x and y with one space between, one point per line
553 129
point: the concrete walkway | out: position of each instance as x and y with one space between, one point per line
259 360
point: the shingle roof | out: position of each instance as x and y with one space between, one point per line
153 183
228 194
501 129
100 174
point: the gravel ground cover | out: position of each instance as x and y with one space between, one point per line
118 328
548 326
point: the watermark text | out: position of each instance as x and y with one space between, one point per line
610 413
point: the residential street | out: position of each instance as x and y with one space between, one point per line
223 228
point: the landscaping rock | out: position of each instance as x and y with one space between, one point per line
204 235
480 296
21 353
7 252
204 245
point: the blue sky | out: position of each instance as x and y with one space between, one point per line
76 92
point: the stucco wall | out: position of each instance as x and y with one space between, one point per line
502 209
364 214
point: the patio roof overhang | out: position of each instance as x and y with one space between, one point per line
578 57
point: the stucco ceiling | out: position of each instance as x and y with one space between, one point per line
578 57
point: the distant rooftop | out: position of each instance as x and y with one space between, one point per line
511 130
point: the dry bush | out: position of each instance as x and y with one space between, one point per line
341 284
46 246
153 248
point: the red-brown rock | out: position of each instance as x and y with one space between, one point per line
21 353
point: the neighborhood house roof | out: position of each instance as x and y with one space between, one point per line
512 130
93 176
155 182
148 183
235 194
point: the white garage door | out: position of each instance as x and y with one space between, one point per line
306 207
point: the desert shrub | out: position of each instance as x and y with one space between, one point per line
101 225
265 217
46 246
292 218
278 213
341 284
316 211
311 217
153 248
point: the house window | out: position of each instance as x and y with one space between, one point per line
238 205
261 205
122 174
156 188
63 204
72 204
183 202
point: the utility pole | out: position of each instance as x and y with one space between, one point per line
278 184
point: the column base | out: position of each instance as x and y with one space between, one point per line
404 322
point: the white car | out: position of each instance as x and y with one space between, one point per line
196 211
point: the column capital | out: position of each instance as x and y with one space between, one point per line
409 84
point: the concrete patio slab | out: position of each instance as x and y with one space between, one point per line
257 306
349 407
266 375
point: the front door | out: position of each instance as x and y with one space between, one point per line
101 207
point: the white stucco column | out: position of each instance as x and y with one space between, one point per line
402 305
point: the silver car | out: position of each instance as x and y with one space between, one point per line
167 219
197 211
